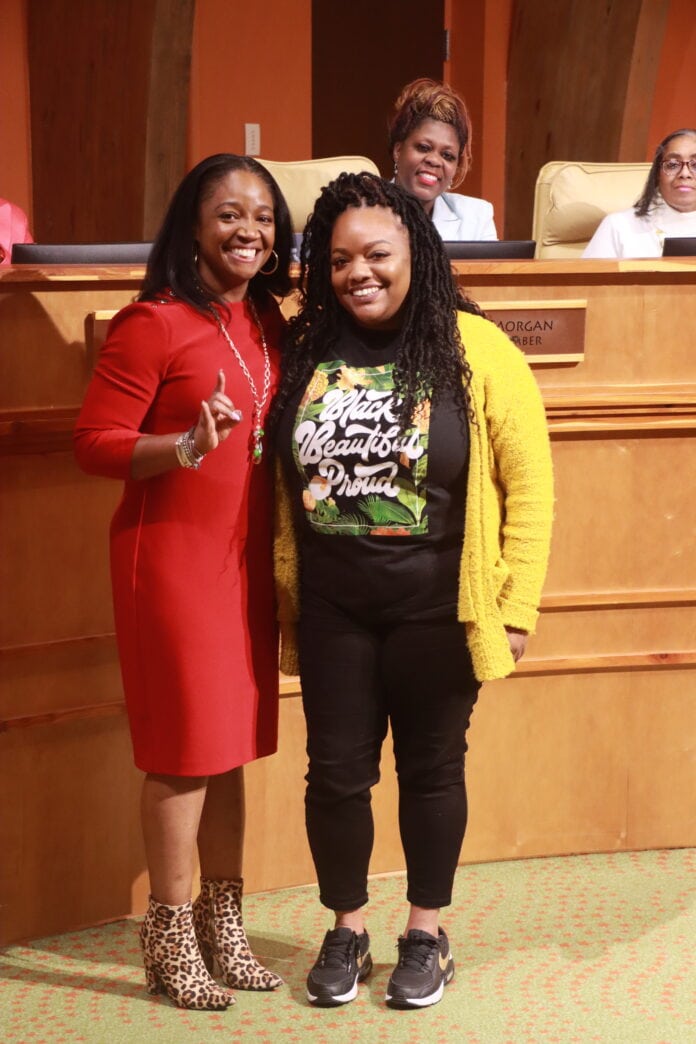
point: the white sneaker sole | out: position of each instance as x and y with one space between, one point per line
424 1002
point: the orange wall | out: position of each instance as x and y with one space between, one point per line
496 36
15 139
465 72
673 105
477 68
252 64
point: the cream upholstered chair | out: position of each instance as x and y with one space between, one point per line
301 181
571 199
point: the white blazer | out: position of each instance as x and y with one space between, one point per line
463 217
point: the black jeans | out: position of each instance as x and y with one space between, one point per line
356 678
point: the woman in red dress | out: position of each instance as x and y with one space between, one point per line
176 408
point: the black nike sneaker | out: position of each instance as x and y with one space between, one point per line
425 967
344 961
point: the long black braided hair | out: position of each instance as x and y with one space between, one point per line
430 356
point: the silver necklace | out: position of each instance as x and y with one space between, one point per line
257 431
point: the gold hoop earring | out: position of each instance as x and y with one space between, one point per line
271 271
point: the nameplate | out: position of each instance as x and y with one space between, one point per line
546 331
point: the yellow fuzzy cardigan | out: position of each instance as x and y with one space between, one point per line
509 508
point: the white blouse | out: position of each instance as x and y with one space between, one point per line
623 234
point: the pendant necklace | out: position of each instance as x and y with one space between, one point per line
257 431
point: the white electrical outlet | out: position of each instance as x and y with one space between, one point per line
252 139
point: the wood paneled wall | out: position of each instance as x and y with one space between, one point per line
363 53
166 141
109 115
581 84
589 747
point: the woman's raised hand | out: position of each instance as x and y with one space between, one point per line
217 418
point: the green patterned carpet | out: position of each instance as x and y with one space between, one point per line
580 949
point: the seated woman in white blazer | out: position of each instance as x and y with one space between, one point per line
667 205
430 143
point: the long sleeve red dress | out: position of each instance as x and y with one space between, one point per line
191 550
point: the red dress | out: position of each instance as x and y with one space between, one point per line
191 551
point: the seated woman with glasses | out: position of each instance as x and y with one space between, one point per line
667 205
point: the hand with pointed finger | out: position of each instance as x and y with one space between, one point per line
217 418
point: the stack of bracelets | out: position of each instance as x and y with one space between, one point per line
186 452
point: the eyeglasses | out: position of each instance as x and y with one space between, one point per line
673 166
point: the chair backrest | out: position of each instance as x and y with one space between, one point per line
301 181
571 199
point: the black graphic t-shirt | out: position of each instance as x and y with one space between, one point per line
382 514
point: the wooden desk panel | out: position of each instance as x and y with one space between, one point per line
42 317
637 319
590 747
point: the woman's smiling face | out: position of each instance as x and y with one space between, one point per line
371 266
235 233
427 161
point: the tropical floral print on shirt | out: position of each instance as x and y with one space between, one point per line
360 477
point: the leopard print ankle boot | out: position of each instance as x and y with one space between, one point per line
173 962
217 917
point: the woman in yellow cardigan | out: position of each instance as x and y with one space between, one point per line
414 517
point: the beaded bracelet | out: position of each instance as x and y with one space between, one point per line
186 452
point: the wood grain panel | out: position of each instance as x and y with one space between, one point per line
167 109
598 633
531 666
88 137
549 769
72 853
583 763
623 514
556 111
55 550
634 142
629 349
45 362
36 431
614 599
58 682
109 146
350 110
